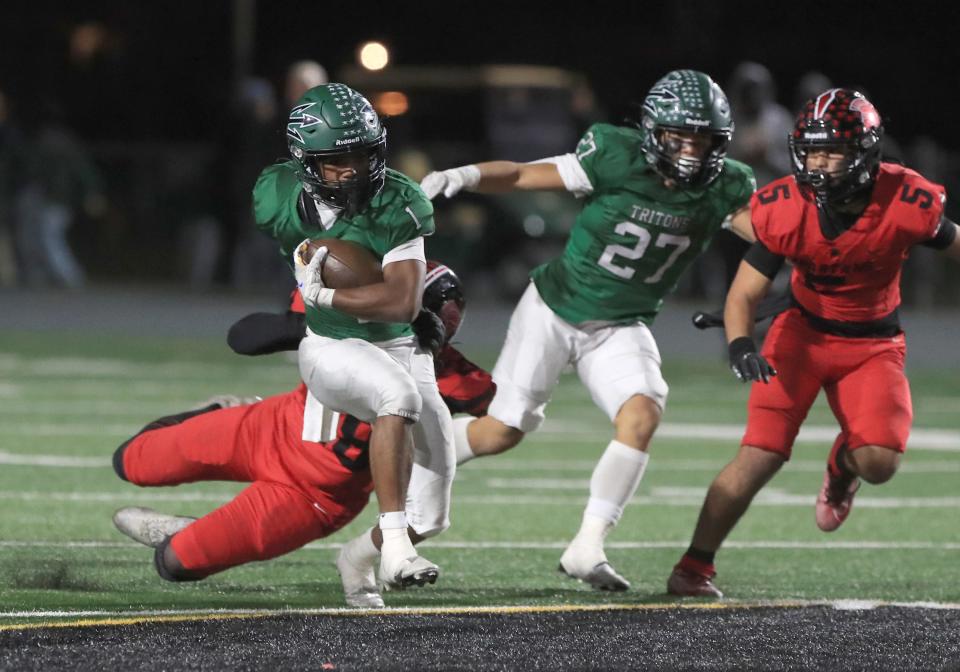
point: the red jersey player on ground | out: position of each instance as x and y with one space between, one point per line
308 466
846 221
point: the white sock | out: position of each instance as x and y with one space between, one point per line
460 440
393 520
615 480
361 550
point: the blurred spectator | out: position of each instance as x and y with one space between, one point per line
61 182
810 85
302 75
258 143
11 176
762 125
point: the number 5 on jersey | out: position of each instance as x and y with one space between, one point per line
637 251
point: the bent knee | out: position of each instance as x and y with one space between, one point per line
401 399
875 464
637 421
489 436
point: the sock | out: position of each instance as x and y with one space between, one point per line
460 440
706 557
697 566
836 463
615 480
392 520
361 550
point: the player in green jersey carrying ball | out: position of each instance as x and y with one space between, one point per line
654 197
360 356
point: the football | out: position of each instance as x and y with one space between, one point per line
347 264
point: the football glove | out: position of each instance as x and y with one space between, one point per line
748 364
430 331
450 181
309 280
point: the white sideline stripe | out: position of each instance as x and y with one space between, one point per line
682 497
84 367
512 466
929 439
22 459
944 440
560 545
858 604
657 463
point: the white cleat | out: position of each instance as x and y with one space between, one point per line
147 526
590 565
406 572
359 584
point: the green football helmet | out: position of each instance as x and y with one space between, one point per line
686 101
333 124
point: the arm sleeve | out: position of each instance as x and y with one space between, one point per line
412 249
944 236
764 260
572 173
266 333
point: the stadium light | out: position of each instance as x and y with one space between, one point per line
374 56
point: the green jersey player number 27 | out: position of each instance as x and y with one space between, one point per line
654 196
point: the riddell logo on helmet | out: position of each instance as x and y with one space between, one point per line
696 122
346 141
820 135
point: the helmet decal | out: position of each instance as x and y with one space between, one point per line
299 119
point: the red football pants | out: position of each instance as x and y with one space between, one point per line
271 517
863 378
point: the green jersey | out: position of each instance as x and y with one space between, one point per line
398 214
634 237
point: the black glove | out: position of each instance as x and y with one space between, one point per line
748 364
430 331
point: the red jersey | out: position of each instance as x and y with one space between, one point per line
856 276
342 465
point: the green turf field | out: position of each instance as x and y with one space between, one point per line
67 402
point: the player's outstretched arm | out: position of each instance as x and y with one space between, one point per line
493 177
748 288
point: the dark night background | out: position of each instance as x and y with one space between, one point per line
171 63
153 102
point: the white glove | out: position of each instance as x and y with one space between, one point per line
451 181
309 277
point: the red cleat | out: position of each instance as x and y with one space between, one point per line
835 500
685 583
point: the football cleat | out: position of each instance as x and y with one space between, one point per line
835 500
406 572
359 584
684 583
590 566
147 526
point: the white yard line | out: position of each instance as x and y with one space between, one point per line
944 440
660 497
865 545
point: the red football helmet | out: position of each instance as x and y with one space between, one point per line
443 295
841 120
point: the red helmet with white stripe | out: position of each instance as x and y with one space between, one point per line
443 295
839 120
